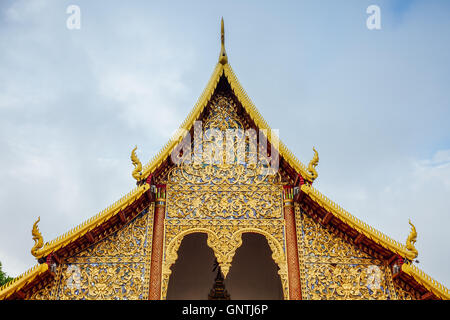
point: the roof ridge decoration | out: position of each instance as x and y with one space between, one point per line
91 223
411 240
223 59
224 68
221 68
362 227
40 250
37 237
313 164
408 250
22 280
425 280
137 171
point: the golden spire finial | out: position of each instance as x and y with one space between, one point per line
223 59
313 164
37 237
411 240
137 164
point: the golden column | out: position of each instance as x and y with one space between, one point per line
295 292
157 245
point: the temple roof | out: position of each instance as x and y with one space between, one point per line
227 71
357 224
223 69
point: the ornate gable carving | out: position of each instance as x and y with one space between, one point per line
116 267
333 269
224 199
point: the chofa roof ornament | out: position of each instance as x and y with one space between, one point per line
137 172
411 240
312 166
37 237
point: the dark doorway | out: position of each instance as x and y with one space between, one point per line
254 274
192 276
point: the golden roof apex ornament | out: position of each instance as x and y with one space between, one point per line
223 59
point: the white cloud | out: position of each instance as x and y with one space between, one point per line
440 158
416 190
143 101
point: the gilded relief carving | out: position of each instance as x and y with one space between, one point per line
42 293
321 243
116 267
404 294
224 199
104 281
333 269
128 242
346 282
236 192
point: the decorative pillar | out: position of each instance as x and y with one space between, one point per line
291 245
157 245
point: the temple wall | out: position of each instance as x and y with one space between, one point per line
223 202
116 267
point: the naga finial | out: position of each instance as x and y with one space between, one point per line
37 237
313 164
223 59
137 165
411 240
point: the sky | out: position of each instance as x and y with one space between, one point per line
374 103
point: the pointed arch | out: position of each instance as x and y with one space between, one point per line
224 241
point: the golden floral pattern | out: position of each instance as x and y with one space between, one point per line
103 281
404 294
333 269
116 267
129 242
224 200
252 201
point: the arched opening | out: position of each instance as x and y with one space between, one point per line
254 274
192 276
